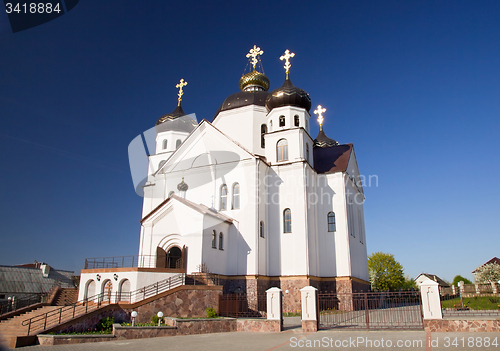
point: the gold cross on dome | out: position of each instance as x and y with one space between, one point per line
286 57
256 51
319 111
181 84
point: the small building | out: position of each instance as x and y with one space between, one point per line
31 280
426 276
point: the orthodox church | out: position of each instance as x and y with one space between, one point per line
250 196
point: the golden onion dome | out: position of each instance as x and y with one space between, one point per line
254 81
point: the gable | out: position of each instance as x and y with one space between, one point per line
205 146
168 205
332 159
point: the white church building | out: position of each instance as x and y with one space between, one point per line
251 196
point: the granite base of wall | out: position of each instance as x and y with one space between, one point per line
258 325
187 302
49 340
309 326
205 326
446 325
124 332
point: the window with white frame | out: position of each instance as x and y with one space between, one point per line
236 196
214 239
221 241
332 226
178 143
287 221
282 121
223 197
263 131
282 150
165 144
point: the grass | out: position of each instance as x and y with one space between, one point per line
474 303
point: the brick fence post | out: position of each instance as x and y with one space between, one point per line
310 309
274 298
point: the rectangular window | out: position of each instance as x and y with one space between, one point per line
282 121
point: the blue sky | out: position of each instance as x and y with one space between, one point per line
414 85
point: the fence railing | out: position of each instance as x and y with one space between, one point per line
371 310
18 302
54 317
242 305
147 261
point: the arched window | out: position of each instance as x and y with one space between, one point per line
165 142
282 121
287 221
282 150
261 229
236 196
307 152
296 120
307 126
263 131
221 241
161 164
223 197
178 143
171 193
332 226
214 239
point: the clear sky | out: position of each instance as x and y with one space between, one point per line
415 85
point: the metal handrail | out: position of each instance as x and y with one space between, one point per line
22 302
105 297
147 261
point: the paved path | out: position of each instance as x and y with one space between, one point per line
292 340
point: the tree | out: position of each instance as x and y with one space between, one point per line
487 273
385 272
459 278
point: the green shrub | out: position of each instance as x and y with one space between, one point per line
105 324
211 312
155 319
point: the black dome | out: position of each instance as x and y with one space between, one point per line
243 98
176 120
288 95
323 141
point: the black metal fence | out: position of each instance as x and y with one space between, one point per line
372 310
243 305
148 261
18 302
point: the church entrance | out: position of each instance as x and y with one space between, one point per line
171 259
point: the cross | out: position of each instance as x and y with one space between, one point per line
181 84
286 57
108 288
319 111
256 51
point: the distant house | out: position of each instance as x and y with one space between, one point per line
426 276
494 260
33 279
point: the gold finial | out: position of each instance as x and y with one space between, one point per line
253 54
286 57
319 111
181 84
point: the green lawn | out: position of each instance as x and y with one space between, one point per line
475 303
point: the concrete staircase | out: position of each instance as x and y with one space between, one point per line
12 330
66 297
